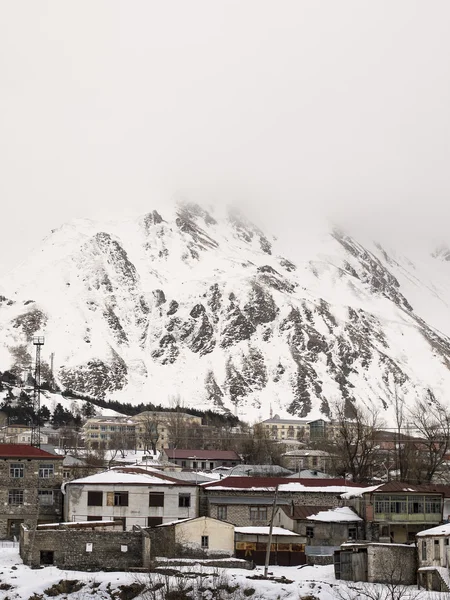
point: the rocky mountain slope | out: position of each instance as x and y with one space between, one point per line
184 302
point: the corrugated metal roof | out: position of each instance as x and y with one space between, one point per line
402 487
302 512
272 482
25 451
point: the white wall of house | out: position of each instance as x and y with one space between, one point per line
217 536
434 551
179 502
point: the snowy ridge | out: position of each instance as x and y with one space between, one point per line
184 302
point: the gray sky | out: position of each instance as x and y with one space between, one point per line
106 105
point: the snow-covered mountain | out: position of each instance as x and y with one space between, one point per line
189 303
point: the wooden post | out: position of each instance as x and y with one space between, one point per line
269 543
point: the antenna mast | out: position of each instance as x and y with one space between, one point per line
38 341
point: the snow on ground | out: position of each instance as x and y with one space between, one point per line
26 581
300 582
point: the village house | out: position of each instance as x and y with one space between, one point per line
30 487
433 547
133 495
397 511
93 546
247 501
199 537
17 434
205 460
323 529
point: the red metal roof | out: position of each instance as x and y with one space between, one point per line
302 512
271 482
174 453
402 487
25 451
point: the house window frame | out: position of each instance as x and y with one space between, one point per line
205 542
222 512
184 500
46 470
309 532
50 494
16 470
261 513
15 497
121 498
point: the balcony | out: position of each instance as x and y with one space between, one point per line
408 518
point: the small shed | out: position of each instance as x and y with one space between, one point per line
199 536
287 547
376 563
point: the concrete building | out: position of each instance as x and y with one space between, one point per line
200 536
142 431
206 460
376 563
434 558
286 429
133 495
30 487
19 435
85 546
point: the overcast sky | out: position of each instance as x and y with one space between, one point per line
108 105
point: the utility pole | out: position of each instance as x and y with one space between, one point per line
38 341
269 543
52 382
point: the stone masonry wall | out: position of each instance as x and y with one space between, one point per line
30 511
70 552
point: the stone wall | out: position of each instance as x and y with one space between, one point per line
71 549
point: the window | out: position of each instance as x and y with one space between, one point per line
437 550
120 498
154 521
258 513
310 532
92 518
416 505
95 499
211 465
156 499
183 463
16 470
66 474
203 465
205 542
46 470
222 513
194 464
46 497
352 533
433 504
15 497
424 550
184 500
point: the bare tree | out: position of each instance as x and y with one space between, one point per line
148 426
432 423
355 446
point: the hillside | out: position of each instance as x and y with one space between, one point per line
184 302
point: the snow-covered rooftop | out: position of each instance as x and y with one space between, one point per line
122 477
336 515
439 530
264 531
